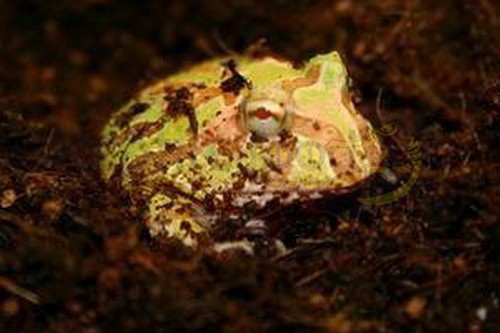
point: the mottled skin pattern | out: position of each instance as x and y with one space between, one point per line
205 142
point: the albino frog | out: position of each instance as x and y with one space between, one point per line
199 146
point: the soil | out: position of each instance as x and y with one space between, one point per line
74 256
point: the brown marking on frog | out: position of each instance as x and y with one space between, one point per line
169 189
230 147
274 166
156 162
122 137
229 98
144 130
138 131
236 82
135 109
180 102
316 126
204 95
311 77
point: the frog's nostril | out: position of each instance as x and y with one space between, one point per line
262 113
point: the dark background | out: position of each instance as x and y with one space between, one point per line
73 257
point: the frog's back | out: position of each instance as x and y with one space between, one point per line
142 126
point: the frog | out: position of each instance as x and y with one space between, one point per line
200 146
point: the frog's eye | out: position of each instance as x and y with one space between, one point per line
264 118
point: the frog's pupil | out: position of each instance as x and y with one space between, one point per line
262 113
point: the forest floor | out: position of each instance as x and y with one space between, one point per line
74 256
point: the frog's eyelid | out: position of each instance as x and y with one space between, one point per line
276 109
268 105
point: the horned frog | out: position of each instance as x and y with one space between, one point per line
198 146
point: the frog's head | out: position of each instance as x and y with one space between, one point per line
309 132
